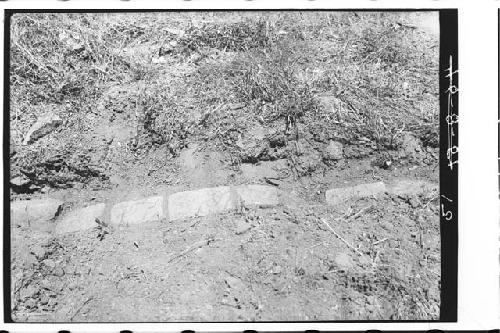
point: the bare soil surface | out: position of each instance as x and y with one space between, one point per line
281 263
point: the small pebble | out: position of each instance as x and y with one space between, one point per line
276 269
343 261
28 292
58 272
242 227
49 263
30 304
38 251
44 299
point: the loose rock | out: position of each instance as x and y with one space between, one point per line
58 272
73 42
43 126
242 227
28 292
44 299
20 184
343 261
334 151
30 259
39 251
276 269
49 263
30 303
253 146
233 282
331 103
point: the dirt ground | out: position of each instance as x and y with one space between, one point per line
276 264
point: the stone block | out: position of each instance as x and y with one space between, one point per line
201 202
32 212
80 219
138 211
337 196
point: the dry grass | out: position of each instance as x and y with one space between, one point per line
384 74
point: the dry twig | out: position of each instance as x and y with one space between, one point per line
81 307
360 212
380 241
431 200
346 215
191 248
342 239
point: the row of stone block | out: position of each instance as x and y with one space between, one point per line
177 206
190 204
405 187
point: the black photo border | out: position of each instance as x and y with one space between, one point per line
448 49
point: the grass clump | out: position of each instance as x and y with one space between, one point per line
238 36
386 76
165 118
59 64
275 65
269 77
60 57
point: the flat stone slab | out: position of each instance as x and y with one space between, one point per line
80 219
411 187
31 212
339 195
258 195
138 211
221 199
201 202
